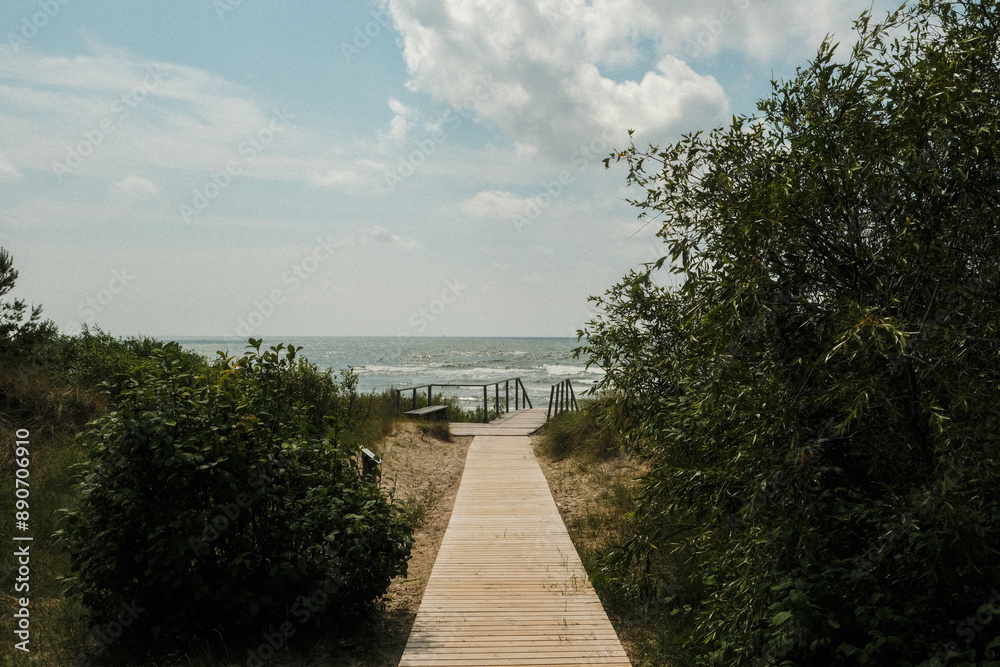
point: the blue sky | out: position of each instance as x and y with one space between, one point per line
409 167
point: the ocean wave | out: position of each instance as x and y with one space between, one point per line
560 369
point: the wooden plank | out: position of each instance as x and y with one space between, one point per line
508 587
519 422
427 410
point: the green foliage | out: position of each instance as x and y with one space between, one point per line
219 500
373 418
579 432
439 430
21 332
96 358
419 506
819 386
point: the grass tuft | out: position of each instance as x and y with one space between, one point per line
418 506
439 430
578 434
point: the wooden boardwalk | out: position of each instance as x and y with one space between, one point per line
518 422
508 587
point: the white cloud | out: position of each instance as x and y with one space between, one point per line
379 235
100 113
122 107
134 186
401 121
336 178
7 170
535 71
554 74
498 204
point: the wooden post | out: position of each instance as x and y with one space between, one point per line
496 401
429 393
371 465
486 406
526 399
552 393
506 395
516 404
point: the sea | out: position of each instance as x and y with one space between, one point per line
400 362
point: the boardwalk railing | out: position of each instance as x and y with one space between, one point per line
521 399
561 399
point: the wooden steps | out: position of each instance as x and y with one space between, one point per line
518 422
508 587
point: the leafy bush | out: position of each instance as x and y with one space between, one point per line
93 358
579 432
439 430
216 501
820 388
22 333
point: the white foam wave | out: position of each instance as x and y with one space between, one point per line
560 369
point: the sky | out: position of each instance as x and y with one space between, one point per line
379 168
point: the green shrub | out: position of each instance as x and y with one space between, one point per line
579 432
438 430
214 501
22 331
94 358
818 384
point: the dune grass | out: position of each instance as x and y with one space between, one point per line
596 486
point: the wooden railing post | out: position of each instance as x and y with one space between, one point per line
506 396
486 406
